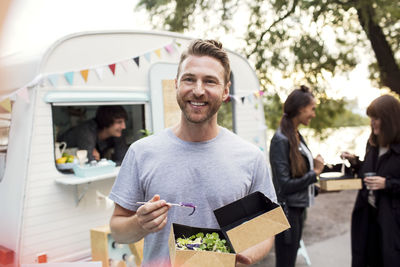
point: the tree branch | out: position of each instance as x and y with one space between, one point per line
388 68
258 43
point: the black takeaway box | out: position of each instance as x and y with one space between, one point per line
244 223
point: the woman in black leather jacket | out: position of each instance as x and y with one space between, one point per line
375 224
294 171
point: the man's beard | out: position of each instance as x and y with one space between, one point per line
194 117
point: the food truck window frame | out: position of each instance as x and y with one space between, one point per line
98 98
5 124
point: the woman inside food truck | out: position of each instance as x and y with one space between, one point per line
101 136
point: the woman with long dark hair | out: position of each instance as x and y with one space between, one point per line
294 171
375 225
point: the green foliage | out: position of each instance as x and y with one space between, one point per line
290 37
304 41
330 113
273 110
145 132
225 118
350 119
327 111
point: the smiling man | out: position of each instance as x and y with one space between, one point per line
195 161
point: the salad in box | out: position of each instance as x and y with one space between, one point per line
243 224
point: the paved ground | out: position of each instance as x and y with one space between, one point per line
326 233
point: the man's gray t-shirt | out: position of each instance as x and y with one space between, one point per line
209 174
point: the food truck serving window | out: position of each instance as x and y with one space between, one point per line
103 123
106 129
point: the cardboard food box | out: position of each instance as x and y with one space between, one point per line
333 181
243 224
340 184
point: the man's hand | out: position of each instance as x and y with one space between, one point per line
254 254
130 226
242 260
152 216
96 154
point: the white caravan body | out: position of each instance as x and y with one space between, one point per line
43 210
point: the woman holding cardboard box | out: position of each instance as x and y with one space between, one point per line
294 171
375 226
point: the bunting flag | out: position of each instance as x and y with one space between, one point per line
169 48
136 59
158 52
99 72
6 104
69 76
125 64
236 98
53 79
84 74
112 68
250 98
23 93
147 56
256 139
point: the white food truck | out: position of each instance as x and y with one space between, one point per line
48 211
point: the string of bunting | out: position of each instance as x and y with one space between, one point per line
242 98
53 78
69 76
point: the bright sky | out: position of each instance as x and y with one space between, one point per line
33 23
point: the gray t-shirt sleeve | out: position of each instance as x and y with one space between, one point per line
262 180
127 190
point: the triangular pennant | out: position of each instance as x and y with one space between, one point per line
261 93
137 60
147 56
250 98
178 44
69 76
243 98
6 104
236 98
169 48
158 52
13 97
53 79
85 74
99 72
112 68
23 93
125 64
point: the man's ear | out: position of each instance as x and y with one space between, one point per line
226 91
